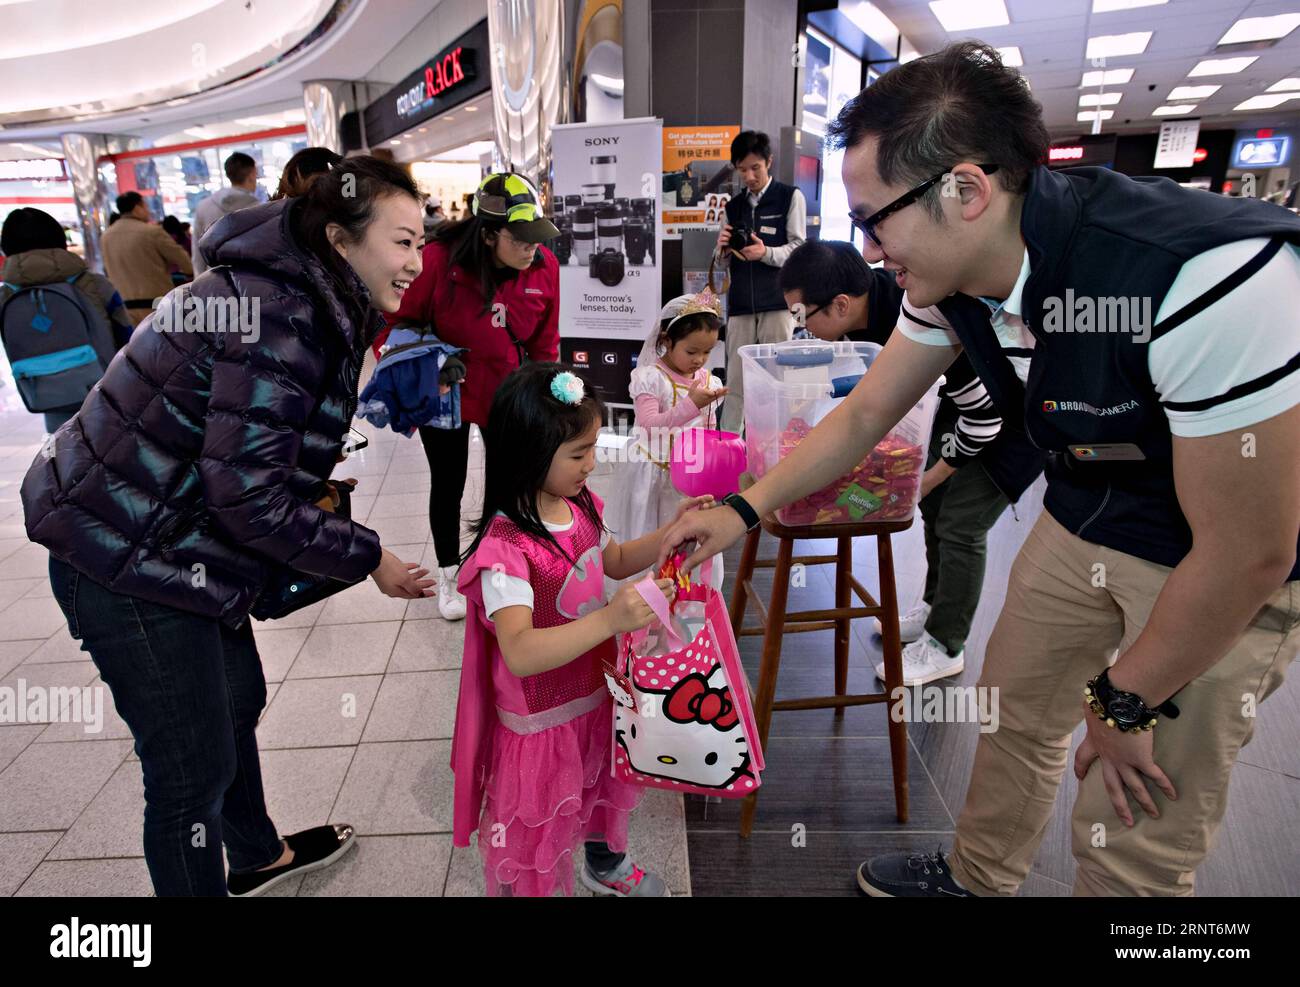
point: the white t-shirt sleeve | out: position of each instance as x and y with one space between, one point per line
926 325
501 590
1237 362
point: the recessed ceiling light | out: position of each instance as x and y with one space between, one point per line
423 129
1087 116
1221 66
1116 45
471 109
1110 77
1099 99
1171 111
966 15
1104 6
1260 29
1285 85
395 140
1193 92
1266 102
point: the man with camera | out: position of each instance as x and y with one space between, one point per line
763 228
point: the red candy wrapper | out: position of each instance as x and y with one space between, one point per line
883 487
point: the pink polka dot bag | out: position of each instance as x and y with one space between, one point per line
683 719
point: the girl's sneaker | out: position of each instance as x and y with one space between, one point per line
627 880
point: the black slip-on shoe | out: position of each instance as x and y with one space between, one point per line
312 849
909 875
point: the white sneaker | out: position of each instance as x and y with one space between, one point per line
910 626
451 604
926 660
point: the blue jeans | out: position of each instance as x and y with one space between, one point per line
191 690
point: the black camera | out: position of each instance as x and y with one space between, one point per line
740 236
607 267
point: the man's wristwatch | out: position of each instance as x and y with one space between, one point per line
1124 710
741 506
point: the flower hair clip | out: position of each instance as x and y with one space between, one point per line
568 387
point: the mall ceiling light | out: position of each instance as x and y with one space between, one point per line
1193 92
1099 99
1011 57
1118 45
1266 102
1173 111
1109 77
471 109
1087 116
969 15
1249 30
1221 66
1105 6
1284 85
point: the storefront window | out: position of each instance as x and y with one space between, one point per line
832 76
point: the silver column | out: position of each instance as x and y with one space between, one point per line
82 153
526 38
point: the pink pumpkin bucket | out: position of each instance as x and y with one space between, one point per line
707 461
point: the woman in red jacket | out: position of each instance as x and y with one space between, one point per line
487 286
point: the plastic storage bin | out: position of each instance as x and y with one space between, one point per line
789 388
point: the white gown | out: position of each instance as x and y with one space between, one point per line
642 498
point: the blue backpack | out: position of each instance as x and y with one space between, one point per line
47 331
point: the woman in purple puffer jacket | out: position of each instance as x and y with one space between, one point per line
192 474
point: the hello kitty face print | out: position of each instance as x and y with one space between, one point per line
689 734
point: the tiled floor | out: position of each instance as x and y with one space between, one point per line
71 803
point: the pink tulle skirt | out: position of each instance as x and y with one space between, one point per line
546 793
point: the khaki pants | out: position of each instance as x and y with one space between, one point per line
1055 632
742 330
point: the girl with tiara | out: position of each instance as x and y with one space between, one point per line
531 750
672 391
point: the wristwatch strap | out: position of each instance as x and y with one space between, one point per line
741 506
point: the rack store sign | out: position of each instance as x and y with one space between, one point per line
442 83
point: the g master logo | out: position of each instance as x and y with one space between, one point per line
1088 409
100 941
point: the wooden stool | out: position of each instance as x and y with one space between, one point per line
774 622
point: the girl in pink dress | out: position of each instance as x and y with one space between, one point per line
531 750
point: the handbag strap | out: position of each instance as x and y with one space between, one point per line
655 599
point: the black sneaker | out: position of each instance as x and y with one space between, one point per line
312 849
909 875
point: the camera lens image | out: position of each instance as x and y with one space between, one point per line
636 239
584 233
609 229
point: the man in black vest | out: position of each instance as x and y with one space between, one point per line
976 466
1156 330
774 215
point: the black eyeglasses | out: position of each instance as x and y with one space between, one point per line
808 313
869 224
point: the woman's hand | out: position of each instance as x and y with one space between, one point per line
629 612
702 396
402 580
694 503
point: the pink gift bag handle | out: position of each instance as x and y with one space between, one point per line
655 599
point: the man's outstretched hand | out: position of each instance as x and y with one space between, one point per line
711 531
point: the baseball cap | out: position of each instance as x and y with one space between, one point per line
512 198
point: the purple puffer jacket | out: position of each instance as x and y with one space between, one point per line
192 470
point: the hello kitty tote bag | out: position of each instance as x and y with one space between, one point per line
682 715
